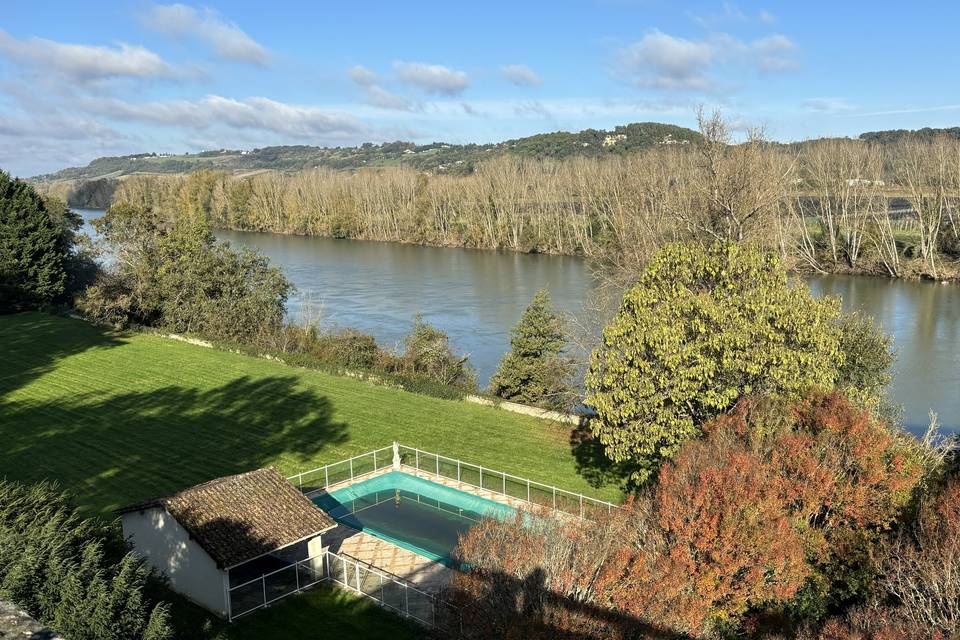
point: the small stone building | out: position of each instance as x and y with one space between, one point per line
225 532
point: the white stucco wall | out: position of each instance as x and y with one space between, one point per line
167 547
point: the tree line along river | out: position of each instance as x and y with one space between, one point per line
477 296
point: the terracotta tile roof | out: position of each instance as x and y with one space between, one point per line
242 517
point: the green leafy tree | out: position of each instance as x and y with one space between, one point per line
535 371
34 246
701 329
178 276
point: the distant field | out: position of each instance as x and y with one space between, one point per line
118 418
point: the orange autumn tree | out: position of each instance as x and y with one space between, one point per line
777 504
774 499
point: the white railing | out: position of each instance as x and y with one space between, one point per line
503 483
343 470
387 590
439 466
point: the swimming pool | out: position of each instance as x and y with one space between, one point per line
416 514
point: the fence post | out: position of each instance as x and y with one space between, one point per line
406 599
326 476
438 465
554 498
418 459
528 490
351 468
458 471
300 476
374 459
504 484
581 506
356 573
296 570
263 583
481 476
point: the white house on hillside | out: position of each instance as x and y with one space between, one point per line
224 532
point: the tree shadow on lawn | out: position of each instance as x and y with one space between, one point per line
34 342
592 463
133 446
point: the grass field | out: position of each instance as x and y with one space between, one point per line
117 418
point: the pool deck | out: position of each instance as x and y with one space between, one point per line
419 570
425 573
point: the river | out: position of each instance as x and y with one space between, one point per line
477 296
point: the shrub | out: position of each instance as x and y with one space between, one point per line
535 371
868 355
427 352
922 569
701 329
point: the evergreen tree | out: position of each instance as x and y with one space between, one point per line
535 371
67 571
33 248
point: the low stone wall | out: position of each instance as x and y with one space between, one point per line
17 625
536 412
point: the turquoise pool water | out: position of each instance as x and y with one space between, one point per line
416 514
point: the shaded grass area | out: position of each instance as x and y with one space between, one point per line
321 612
119 418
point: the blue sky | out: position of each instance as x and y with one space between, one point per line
84 79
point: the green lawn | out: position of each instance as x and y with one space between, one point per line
118 418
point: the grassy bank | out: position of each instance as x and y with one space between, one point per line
122 417
117 418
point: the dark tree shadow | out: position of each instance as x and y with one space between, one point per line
592 463
120 449
34 342
504 606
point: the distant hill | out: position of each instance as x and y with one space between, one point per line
435 157
896 135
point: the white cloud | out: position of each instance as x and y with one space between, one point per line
731 14
84 63
827 104
667 62
375 94
362 76
432 78
774 52
521 75
296 121
227 39
380 97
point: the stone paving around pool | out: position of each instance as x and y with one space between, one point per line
421 571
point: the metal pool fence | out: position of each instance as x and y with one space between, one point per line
439 466
387 590
344 470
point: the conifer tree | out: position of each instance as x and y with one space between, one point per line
66 570
33 249
535 371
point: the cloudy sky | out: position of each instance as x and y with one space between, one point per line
80 80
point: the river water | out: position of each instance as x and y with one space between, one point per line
477 296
